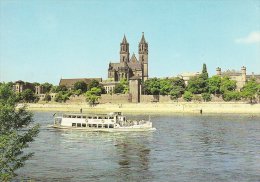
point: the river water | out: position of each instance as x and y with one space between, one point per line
183 148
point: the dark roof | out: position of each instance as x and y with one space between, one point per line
69 83
133 58
117 66
135 65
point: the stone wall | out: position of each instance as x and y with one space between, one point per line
115 98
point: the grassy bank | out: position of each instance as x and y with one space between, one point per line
160 108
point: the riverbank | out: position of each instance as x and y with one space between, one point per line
153 108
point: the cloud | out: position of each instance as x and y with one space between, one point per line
253 37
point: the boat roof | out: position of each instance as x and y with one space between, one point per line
85 114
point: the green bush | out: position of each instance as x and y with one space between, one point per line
187 96
231 96
206 97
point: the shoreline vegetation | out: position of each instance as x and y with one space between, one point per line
151 108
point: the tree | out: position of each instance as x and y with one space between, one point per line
214 84
166 86
206 97
249 91
197 85
93 95
81 85
119 88
204 72
62 96
96 84
187 96
122 87
47 87
231 95
14 133
176 92
28 96
227 85
152 86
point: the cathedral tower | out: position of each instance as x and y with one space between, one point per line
124 51
143 56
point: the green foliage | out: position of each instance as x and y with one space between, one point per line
214 84
176 92
197 85
62 96
81 85
93 95
152 86
166 86
227 85
14 133
250 90
47 87
204 73
187 96
231 96
206 97
122 87
28 96
173 87
96 84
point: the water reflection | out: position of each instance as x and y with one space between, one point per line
134 158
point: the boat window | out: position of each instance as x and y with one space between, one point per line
110 117
73 124
78 116
99 117
84 116
99 125
111 126
89 117
95 125
89 125
78 124
105 126
95 117
73 116
83 124
69 116
106 117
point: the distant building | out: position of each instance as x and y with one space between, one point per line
239 76
69 83
20 86
129 67
186 76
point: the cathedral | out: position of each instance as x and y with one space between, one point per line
129 68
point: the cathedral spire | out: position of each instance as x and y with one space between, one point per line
124 41
143 39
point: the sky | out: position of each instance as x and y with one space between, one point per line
44 41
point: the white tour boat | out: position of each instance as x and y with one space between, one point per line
109 123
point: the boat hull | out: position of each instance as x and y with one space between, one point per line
122 129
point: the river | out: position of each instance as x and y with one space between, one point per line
183 148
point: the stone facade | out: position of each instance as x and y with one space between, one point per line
187 75
239 76
20 86
129 67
